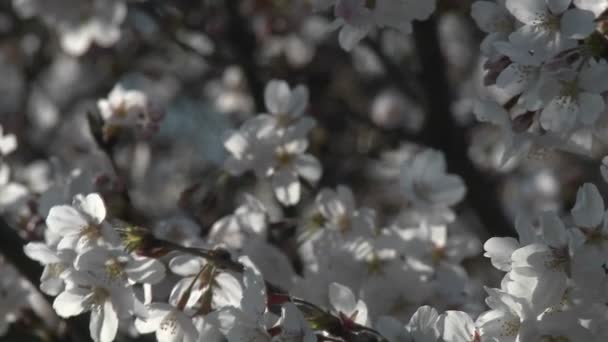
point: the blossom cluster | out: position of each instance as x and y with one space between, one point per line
547 58
276 234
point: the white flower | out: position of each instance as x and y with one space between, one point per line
422 327
248 221
426 183
346 305
500 249
128 108
169 323
457 326
118 266
57 264
8 143
504 321
107 302
358 17
341 215
79 23
286 108
81 225
574 98
549 25
248 322
493 19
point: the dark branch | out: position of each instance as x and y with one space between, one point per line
442 132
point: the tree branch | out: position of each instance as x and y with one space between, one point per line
442 132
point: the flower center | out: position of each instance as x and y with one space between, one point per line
98 297
90 232
115 269
56 269
283 157
511 327
546 22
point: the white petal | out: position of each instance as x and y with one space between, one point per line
277 97
71 302
577 24
349 36
422 324
186 265
104 323
342 299
308 167
286 186
558 6
298 101
589 208
41 253
145 270
92 205
526 11
499 250
554 231
457 326
592 105
155 314
64 220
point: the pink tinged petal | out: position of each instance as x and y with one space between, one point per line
286 186
156 312
41 253
558 6
342 299
277 97
588 210
577 24
499 251
457 326
92 205
64 220
71 302
308 167
592 105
